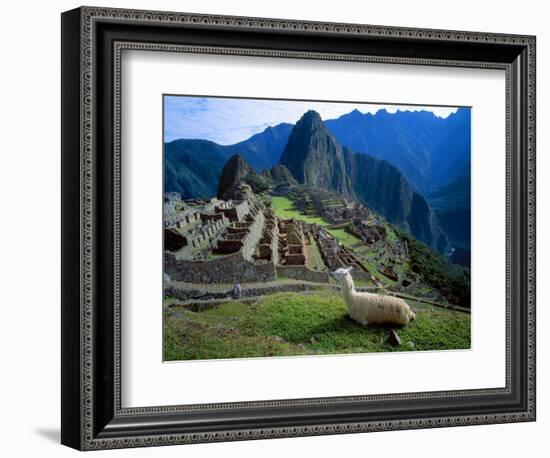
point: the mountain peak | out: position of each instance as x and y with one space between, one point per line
462 113
312 155
237 161
310 118
234 170
316 159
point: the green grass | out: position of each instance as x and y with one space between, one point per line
301 324
390 233
386 282
317 258
362 283
345 238
283 207
451 280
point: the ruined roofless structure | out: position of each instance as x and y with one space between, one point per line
234 238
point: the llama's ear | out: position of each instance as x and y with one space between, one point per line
349 269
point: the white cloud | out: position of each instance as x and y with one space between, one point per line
227 121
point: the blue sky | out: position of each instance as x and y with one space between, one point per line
227 121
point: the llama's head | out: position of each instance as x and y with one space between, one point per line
341 273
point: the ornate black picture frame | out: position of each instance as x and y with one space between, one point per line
92 42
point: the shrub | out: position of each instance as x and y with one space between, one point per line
452 280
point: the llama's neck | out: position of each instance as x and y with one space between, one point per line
348 288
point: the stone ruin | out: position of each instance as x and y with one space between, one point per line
368 232
193 232
336 255
192 228
243 232
331 206
291 243
172 196
235 239
268 247
345 213
214 241
234 211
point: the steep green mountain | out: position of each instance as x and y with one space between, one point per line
451 203
235 170
193 167
445 275
238 169
263 150
279 174
316 159
429 150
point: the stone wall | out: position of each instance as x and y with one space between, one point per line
268 247
254 234
173 241
201 236
361 275
228 245
303 273
236 212
200 297
242 237
172 216
230 269
291 243
368 233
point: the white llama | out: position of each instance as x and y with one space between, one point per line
369 308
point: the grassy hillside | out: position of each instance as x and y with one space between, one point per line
297 324
283 207
450 279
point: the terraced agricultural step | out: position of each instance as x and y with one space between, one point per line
192 292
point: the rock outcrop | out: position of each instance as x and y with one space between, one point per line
314 157
279 175
234 171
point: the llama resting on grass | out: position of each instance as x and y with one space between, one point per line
369 308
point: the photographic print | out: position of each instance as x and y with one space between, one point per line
302 228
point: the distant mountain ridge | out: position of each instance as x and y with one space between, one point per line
316 159
263 150
429 150
193 167
451 203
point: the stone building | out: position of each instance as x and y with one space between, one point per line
268 248
235 239
291 243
